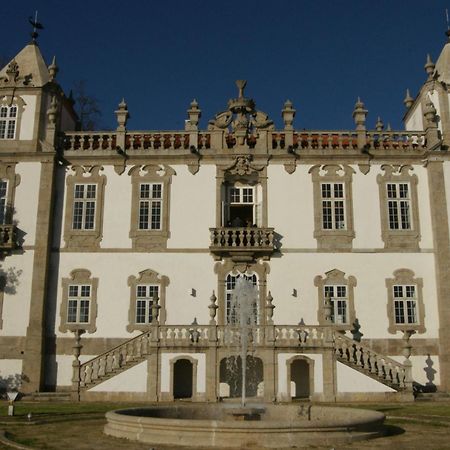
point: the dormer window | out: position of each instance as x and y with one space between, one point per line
8 121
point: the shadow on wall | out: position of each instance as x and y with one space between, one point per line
9 280
11 383
430 373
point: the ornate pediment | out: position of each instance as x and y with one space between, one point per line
244 165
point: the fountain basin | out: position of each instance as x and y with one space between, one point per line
215 425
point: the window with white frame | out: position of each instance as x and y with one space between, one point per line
150 206
145 296
78 303
405 304
339 302
241 206
230 284
85 198
398 198
8 121
333 206
3 201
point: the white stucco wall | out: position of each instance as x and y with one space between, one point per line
282 372
131 380
63 368
192 207
298 270
415 120
447 188
17 296
165 370
28 115
117 209
185 271
290 206
26 199
10 373
350 380
425 368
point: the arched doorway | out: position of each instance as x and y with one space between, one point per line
300 377
183 375
231 374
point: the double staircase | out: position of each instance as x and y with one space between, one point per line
356 355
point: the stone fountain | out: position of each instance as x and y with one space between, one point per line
252 425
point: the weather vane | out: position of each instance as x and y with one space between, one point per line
36 26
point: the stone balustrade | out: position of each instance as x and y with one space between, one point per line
391 140
271 140
380 367
242 239
7 237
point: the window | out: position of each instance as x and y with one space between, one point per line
83 220
149 228
399 213
85 196
150 206
333 212
8 120
405 305
146 289
333 206
229 287
241 208
338 298
145 296
340 290
398 206
79 302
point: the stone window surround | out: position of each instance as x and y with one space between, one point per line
399 239
194 363
147 276
251 175
405 277
227 266
80 277
336 277
147 240
333 173
7 172
86 240
310 363
10 100
2 294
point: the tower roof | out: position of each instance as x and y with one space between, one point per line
442 69
30 62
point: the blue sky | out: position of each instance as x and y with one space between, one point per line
160 55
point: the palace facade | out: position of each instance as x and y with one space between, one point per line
120 249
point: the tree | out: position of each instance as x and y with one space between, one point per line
86 106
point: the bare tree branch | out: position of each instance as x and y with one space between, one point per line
86 106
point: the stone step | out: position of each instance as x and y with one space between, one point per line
48 397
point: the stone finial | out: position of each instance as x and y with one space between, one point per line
241 86
194 114
389 128
408 101
430 114
269 308
288 114
359 115
429 67
52 111
212 309
357 335
53 69
122 115
379 126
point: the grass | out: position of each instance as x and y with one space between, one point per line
409 425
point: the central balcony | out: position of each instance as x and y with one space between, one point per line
242 243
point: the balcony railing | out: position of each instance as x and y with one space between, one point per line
7 237
242 240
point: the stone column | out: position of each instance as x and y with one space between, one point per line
441 244
34 354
